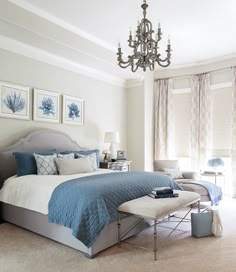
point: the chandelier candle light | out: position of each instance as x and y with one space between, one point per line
145 47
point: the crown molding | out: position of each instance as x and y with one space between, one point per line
210 66
49 17
43 56
56 41
202 63
133 83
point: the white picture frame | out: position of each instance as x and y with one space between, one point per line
14 101
72 110
46 106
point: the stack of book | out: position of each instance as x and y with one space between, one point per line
163 192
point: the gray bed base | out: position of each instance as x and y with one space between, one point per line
38 223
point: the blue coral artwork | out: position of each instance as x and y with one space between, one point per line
73 109
46 106
14 101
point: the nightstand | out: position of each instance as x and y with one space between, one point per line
117 165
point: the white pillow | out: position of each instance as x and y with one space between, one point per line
175 173
66 156
75 166
46 164
92 157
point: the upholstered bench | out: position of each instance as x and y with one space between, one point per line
149 208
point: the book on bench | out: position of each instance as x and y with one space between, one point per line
162 190
163 195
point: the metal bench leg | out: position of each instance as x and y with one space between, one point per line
118 225
198 206
155 240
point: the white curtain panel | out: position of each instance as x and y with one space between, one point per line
162 119
200 124
233 148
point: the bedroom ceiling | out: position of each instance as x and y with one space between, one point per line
87 32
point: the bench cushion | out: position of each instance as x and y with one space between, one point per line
148 207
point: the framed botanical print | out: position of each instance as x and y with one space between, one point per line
46 106
14 101
73 110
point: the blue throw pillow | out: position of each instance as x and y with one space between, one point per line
85 153
26 164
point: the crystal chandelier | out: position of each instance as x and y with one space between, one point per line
145 47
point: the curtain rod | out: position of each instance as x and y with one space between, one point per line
212 71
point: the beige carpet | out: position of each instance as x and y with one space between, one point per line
21 250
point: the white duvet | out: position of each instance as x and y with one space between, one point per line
33 192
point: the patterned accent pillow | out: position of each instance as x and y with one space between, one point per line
93 159
175 173
66 156
46 164
70 167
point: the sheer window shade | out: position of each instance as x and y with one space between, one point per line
221 113
181 124
221 122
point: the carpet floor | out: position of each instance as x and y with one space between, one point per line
24 251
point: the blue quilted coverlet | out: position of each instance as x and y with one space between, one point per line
88 204
214 191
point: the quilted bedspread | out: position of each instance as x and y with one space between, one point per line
88 204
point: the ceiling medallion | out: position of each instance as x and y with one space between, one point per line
145 47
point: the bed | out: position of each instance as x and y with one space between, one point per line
37 221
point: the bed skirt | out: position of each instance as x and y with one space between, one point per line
38 223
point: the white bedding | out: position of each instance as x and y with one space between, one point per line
33 192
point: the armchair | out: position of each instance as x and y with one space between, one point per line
165 167
171 168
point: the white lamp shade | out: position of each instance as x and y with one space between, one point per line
112 137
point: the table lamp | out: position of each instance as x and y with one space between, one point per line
112 138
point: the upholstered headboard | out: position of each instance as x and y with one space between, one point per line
36 141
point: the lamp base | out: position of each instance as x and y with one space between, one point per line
113 151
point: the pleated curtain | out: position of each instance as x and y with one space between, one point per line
233 147
200 121
162 119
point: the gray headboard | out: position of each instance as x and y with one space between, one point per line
36 141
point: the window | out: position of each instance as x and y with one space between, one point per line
181 124
221 120
221 115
